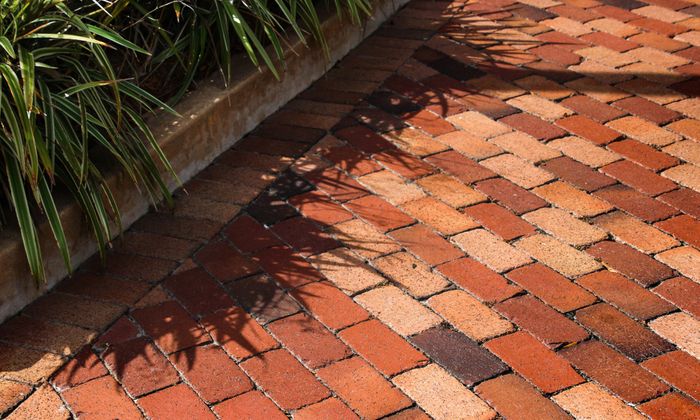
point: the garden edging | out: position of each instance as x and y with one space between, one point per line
212 120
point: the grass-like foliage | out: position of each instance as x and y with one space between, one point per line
78 77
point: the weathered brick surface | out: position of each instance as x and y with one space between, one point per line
488 209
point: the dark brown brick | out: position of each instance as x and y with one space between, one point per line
630 262
577 174
459 354
622 332
551 327
198 292
636 203
616 372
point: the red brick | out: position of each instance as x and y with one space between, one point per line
364 139
530 358
138 366
11 393
556 55
427 245
284 379
198 292
224 262
616 372
636 203
101 398
500 221
630 262
685 200
683 227
550 286
682 292
513 397
171 402
577 174
249 236
510 195
287 267
548 325
305 237
336 184
251 406
463 168
326 409
656 25
210 371
365 390
647 109
136 267
379 213
331 306
625 294
670 407
643 154
628 336
596 110
384 349
679 369
238 333
609 41
170 326
157 246
588 129
403 163
318 207
537 128
351 160
104 288
84 367
309 340
475 277
639 178
120 331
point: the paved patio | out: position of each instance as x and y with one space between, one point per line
487 209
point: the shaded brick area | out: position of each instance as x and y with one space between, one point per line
489 208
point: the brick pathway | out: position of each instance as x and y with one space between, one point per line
486 209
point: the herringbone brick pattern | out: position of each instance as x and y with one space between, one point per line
489 208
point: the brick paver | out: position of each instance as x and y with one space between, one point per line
490 208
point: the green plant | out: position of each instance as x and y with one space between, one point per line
77 78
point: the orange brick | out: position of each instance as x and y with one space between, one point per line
635 232
364 239
565 227
468 144
346 270
474 319
328 408
238 333
684 259
530 358
439 216
644 131
379 213
574 200
517 170
426 244
391 187
492 251
364 390
687 175
399 311
671 406
588 129
411 274
384 349
639 178
584 151
540 107
514 397
441 395
682 292
559 256
478 124
681 329
251 405
590 399
500 221
679 369
450 190
525 147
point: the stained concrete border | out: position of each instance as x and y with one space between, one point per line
212 120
